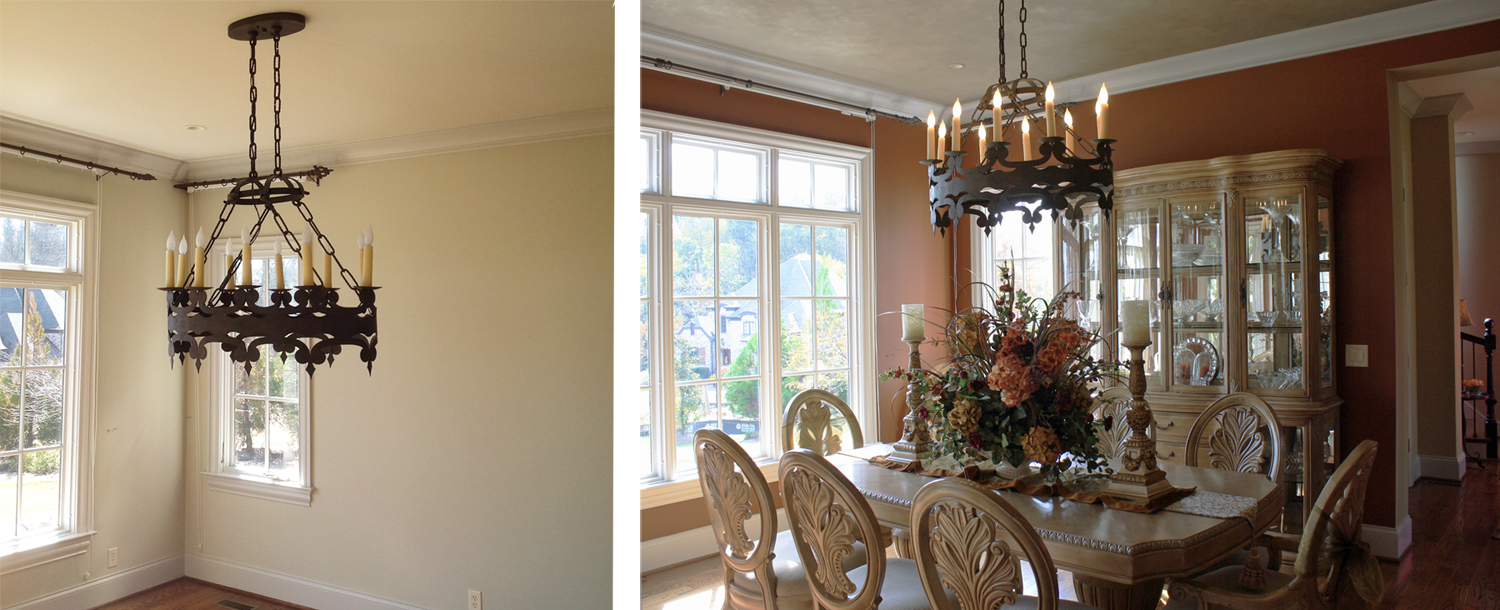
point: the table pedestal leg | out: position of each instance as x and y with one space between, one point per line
901 539
1109 595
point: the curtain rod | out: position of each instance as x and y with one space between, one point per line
78 163
749 85
317 174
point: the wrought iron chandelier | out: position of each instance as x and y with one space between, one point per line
1059 182
306 321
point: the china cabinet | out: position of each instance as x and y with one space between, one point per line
1235 255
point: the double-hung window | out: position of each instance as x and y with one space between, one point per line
260 415
755 284
47 250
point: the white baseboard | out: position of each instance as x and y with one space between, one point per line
664 551
1443 467
1413 470
285 587
1388 542
103 590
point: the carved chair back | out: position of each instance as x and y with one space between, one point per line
1339 512
1246 436
970 540
1111 406
828 514
809 423
735 489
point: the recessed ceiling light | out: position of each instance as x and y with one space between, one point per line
956 66
1463 133
196 128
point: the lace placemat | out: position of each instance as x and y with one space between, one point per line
1214 504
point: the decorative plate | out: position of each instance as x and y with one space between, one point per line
1196 361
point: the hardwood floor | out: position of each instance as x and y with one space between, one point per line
193 594
1454 561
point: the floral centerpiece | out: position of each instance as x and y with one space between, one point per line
1473 388
1019 386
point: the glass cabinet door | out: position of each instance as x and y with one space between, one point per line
1080 273
1323 301
1273 293
1196 351
1138 277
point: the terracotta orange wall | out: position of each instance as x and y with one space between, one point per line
911 262
1336 102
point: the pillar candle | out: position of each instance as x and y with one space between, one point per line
1100 108
942 136
198 259
327 270
1136 327
913 322
182 262
931 135
1051 113
305 265
280 281
245 278
1068 120
958 143
229 263
369 257
1025 139
171 259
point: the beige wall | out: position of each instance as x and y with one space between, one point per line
1479 237
138 474
1435 283
477 454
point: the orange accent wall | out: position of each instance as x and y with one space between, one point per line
910 261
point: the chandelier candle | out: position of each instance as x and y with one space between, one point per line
913 322
1051 112
1071 144
1025 139
1100 108
171 259
327 270
245 279
942 137
276 249
198 258
958 143
369 257
229 263
182 264
931 135
306 266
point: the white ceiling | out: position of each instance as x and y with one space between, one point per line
1482 87
137 73
905 47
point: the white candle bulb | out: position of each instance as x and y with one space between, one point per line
229 246
983 138
304 266
182 263
276 248
182 246
200 263
244 235
1068 120
359 241
201 240
306 237
171 274
958 142
1051 112
171 241
370 235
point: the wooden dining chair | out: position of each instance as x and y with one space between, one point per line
1328 552
829 517
760 572
1112 404
810 421
1243 435
970 543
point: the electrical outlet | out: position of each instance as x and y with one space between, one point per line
112 557
1356 355
475 603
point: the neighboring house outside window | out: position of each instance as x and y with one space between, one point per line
47 247
756 283
260 421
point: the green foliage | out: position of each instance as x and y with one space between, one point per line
690 405
43 462
41 420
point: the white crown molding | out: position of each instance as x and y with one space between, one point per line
1424 18
47 138
1407 98
743 66
1477 148
1454 106
507 133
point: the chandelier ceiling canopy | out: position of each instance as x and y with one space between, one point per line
305 321
1057 179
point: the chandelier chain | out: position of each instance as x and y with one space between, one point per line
326 244
253 95
276 94
1023 39
1002 44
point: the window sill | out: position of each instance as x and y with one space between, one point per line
32 552
257 487
667 492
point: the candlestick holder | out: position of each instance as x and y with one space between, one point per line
916 440
1136 477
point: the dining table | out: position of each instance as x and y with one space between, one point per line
1119 559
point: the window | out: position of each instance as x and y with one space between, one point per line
1027 253
46 363
754 286
260 415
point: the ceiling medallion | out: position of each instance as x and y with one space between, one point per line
304 322
1066 175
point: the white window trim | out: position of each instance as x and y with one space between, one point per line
218 474
78 445
863 382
